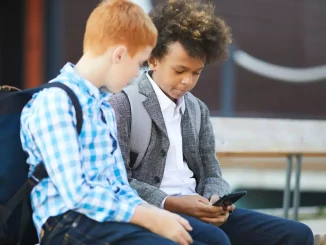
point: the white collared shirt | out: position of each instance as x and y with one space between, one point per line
178 178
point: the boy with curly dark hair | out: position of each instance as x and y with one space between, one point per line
177 170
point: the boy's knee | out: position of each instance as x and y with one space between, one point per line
299 233
222 240
215 236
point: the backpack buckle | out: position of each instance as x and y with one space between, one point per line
33 180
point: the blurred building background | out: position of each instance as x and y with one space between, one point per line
37 37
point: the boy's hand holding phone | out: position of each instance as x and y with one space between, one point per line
228 208
198 207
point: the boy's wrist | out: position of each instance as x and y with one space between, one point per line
144 216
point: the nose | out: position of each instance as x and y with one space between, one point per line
188 80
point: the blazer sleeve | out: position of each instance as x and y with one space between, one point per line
121 106
214 183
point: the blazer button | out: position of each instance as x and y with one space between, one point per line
163 153
157 179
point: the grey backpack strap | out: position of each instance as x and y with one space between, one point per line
141 123
197 111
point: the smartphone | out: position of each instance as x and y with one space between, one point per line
229 199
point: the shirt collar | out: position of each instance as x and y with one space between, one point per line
83 84
165 101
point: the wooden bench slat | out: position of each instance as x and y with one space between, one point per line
268 154
269 137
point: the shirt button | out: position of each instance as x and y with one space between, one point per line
163 153
157 179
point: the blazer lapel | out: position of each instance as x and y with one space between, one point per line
151 103
189 137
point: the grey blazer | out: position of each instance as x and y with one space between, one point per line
199 152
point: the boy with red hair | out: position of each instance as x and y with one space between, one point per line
86 198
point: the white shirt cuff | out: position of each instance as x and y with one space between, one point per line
163 202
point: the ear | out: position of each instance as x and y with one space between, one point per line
152 62
119 53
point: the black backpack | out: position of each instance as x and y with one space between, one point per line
16 225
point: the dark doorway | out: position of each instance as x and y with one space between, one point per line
11 42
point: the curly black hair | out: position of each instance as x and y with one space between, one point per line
194 24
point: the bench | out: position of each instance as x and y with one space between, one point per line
293 140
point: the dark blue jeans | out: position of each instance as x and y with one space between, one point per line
243 227
73 228
247 227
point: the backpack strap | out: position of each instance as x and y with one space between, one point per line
141 123
40 171
74 100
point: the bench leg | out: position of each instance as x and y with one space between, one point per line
316 240
296 196
287 190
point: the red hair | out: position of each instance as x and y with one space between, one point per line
115 22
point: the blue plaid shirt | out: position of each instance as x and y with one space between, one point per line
86 172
